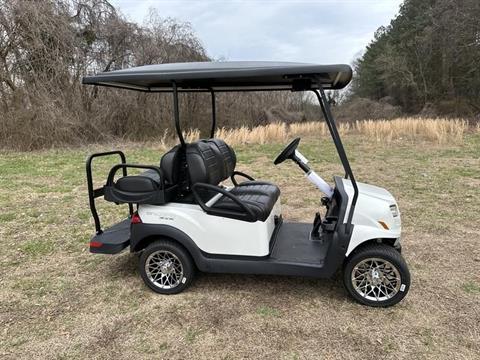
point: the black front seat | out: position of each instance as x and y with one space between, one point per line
261 205
206 167
248 187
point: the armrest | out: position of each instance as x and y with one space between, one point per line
248 214
117 167
239 173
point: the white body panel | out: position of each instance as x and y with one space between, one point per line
214 234
225 236
373 205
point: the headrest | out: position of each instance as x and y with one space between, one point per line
228 156
205 163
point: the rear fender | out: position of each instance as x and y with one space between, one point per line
143 234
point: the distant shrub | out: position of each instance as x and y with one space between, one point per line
362 108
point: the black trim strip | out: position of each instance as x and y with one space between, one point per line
214 115
176 113
276 230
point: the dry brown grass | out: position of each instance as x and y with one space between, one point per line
59 301
256 135
438 131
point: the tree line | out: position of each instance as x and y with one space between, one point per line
426 60
47 46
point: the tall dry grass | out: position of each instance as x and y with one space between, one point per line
438 131
257 135
435 130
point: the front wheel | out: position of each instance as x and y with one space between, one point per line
166 267
377 275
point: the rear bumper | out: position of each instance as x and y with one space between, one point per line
112 240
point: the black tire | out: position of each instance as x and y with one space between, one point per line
179 258
362 258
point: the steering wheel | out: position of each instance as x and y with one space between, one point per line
287 152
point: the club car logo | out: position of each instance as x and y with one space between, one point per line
160 217
169 218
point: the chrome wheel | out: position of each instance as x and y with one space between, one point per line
164 269
376 279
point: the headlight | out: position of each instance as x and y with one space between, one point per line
394 210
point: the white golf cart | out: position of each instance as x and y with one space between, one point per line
182 218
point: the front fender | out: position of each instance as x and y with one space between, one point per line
364 233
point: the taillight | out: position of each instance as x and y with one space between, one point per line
136 219
96 244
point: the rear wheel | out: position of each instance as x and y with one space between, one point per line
377 275
166 267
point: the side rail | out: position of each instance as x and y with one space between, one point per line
95 193
246 214
241 174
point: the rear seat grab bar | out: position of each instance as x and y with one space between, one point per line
95 193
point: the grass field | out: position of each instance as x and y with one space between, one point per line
59 301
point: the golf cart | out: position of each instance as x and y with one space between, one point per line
183 218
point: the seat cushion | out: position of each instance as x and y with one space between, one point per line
258 187
152 174
260 204
136 184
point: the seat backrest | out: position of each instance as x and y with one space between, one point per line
171 165
205 163
209 161
228 156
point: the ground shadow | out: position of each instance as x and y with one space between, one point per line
126 267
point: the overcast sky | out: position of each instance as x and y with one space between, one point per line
319 31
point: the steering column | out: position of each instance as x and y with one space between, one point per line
291 152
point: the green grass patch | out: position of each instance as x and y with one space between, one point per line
268 312
37 247
7 216
471 287
191 335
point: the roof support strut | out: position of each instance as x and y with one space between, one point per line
214 115
176 113
332 126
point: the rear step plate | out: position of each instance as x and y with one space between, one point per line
112 240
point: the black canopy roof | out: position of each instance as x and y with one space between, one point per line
226 76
